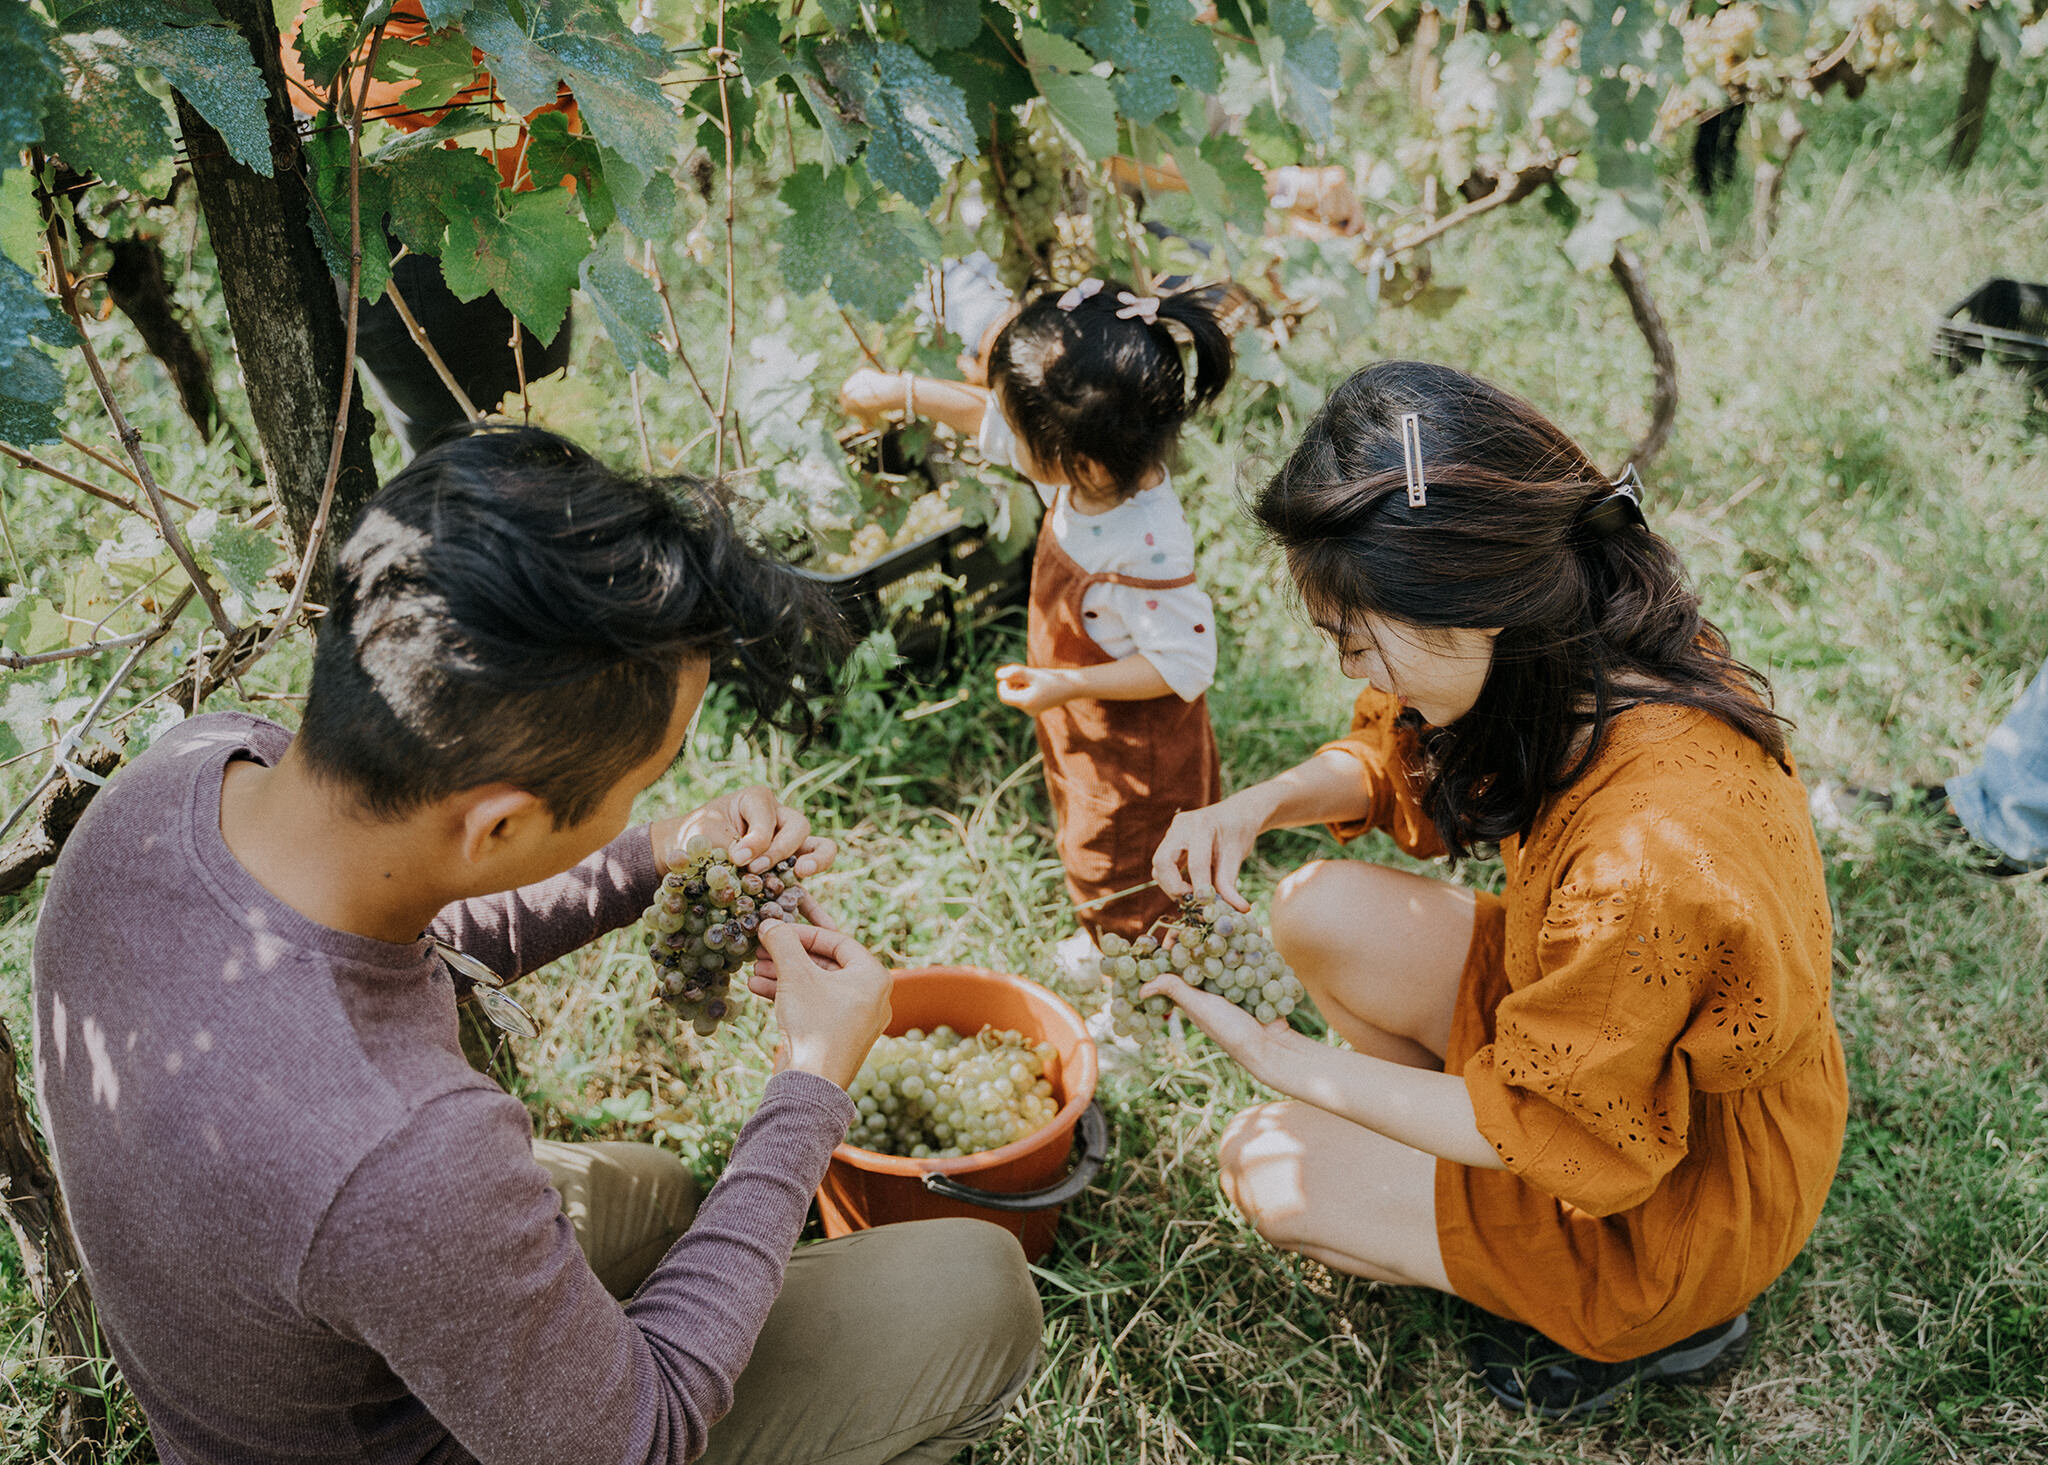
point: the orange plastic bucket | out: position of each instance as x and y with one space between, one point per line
1021 1186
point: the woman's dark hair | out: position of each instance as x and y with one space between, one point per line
508 609
1588 624
1087 386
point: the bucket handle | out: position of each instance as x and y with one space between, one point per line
1094 1132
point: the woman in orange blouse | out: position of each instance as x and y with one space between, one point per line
1606 1105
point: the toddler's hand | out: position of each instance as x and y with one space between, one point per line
1031 689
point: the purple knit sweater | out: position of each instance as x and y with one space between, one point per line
313 1232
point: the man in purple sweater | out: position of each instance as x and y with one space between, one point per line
313 1232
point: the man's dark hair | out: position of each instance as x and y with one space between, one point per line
1589 624
510 610
1085 387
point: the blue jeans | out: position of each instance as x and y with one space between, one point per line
2003 801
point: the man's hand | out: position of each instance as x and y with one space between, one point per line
1033 689
831 998
754 827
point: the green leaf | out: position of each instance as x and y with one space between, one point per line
1148 58
646 201
528 77
30 625
939 25
28 710
1307 64
605 65
845 133
212 68
32 79
26 423
461 123
1611 218
104 121
527 252
554 153
989 76
243 556
871 257
438 66
1223 182
918 118
755 31
21 219
31 387
429 188
444 13
628 308
1079 100
844 14
1623 35
330 31
327 169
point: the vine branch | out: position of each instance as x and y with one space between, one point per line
732 311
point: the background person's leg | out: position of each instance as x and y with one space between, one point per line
2003 801
629 1203
901 1344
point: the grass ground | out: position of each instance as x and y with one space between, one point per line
1869 530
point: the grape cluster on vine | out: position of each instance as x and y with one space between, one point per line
1210 946
703 925
940 1095
1026 182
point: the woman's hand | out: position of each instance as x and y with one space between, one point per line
1251 1042
831 998
1211 845
872 395
755 828
1033 689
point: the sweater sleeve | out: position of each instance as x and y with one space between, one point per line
447 1252
1388 763
1586 1091
521 931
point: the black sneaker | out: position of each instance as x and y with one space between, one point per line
1527 1372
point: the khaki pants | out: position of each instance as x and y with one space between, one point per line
896 1346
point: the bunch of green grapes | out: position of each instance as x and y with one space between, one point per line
1212 947
938 1095
702 925
1026 185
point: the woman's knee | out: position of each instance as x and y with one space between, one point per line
1258 1170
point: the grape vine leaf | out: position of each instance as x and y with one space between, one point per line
845 133
1612 217
1078 98
1621 35
1222 181
27 710
33 78
439 66
210 66
429 188
989 76
917 119
939 25
327 168
627 307
31 388
608 69
444 13
242 556
527 251
554 154
755 31
843 14
21 219
871 257
646 201
103 121
1148 58
30 625
327 34
1306 62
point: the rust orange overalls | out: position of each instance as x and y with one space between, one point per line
1117 771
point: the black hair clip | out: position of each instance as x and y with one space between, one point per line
1621 507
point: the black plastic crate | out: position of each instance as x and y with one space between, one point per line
933 593
2004 320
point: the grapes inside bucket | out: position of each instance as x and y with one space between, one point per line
1020 1184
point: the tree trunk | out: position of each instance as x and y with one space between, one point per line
1628 273
289 333
49 1255
1976 99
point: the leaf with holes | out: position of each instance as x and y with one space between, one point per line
627 307
918 118
1149 57
871 257
1079 100
104 121
428 189
527 252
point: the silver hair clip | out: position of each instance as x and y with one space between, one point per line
1620 507
1083 291
1137 307
1411 459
